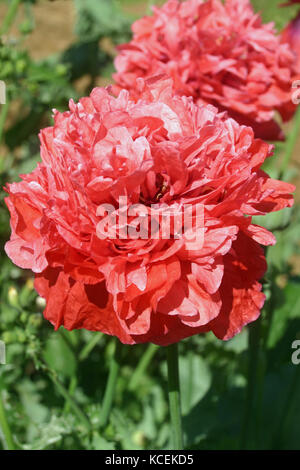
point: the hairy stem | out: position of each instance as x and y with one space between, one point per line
90 346
8 439
142 366
248 429
70 400
10 16
174 397
111 383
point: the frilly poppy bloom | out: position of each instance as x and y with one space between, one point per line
216 52
291 36
158 148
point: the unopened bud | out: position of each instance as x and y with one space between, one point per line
40 302
13 297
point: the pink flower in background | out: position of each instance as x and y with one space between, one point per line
162 149
291 35
217 53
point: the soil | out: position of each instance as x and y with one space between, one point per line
54 28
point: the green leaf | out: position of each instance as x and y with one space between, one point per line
50 434
287 311
30 399
59 356
195 380
271 11
99 18
274 220
99 443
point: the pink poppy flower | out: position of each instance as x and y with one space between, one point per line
218 53
291 36
159 149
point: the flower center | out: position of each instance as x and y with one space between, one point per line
161 187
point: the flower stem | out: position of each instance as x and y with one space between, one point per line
248 431
10 16
111 383
174 397
291 142
70 400
71 391
4 426
142 366
90 346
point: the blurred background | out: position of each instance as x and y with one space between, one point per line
53 382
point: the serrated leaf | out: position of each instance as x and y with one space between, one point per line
99 443
50 434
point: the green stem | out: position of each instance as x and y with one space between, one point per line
90 346
174 397
10 16
8 439
71 391
66 338
111 383
72 403
248 429
142 366
291 142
